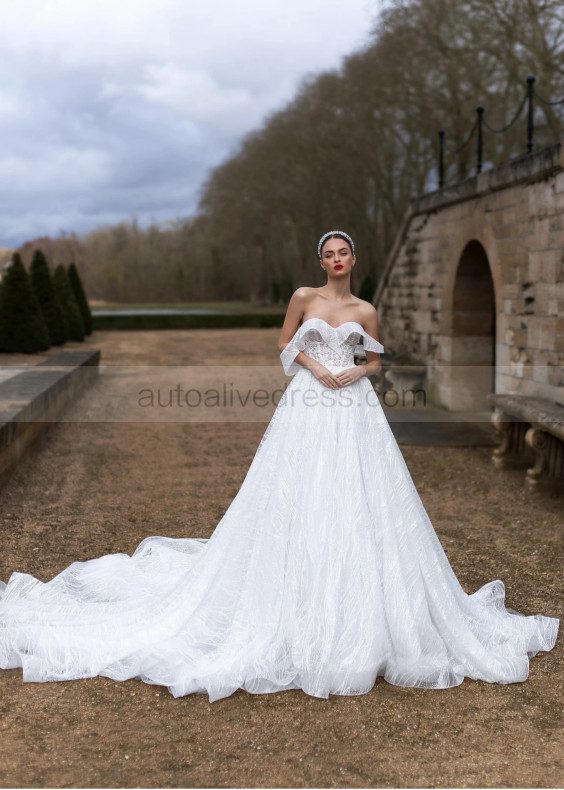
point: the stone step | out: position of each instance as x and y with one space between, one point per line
35 398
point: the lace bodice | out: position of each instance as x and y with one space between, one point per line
332 346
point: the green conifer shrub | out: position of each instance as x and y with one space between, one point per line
48 298
84 307
70 306
22 325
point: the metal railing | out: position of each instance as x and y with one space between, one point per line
481 122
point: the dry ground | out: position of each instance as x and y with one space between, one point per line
94 488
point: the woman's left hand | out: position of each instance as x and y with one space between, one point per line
350 375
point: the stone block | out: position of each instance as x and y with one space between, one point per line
541 231
556 223
555 307
557 202
544 264
521 370
556 239
510 272
555 375
504 382
539 389
515 306
541 332
511 290
559 182
522 214
541 198
502 354
541 374
513 230
542 293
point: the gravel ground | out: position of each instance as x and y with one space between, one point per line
90 488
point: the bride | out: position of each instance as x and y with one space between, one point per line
324 573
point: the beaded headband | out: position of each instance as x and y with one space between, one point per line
333 233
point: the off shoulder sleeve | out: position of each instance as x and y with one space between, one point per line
368 344
288 355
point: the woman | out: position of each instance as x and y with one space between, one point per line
323 574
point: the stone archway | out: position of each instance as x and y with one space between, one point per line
470 330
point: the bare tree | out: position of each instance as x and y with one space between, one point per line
348 151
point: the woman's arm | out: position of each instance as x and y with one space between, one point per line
294 314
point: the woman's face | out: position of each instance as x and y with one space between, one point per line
337 257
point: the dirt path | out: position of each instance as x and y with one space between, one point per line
92 488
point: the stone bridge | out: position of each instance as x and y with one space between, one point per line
474 286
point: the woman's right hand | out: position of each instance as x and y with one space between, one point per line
324 376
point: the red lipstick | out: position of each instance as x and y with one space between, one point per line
338 266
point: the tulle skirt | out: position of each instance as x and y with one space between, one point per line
324 573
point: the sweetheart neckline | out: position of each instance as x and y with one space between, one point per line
315 318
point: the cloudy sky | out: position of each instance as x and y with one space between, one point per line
111 109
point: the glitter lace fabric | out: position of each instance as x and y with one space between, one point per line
324 573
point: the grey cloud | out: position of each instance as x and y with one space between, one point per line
96 128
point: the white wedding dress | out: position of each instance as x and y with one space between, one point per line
324 573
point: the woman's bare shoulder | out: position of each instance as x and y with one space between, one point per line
367 308
303 294
305 290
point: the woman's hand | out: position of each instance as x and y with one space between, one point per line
325 376
350 375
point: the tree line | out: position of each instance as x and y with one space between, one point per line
39 310
349 151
